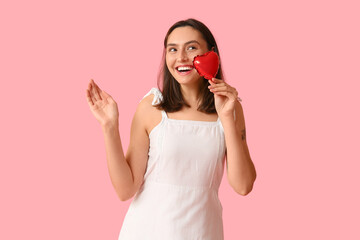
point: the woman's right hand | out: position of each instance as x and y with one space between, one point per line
102 105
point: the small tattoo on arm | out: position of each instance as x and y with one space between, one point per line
243 134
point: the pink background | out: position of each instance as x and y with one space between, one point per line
295 65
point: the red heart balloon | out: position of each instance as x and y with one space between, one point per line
207 65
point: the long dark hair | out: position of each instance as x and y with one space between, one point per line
173 100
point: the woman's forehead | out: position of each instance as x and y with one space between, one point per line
183 35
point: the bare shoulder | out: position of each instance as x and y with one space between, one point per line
151 115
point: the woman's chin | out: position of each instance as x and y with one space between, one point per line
188 78
188 81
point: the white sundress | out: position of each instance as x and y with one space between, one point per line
178 199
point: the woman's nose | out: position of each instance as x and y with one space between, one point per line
183 56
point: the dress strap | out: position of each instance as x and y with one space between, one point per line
158 95
163 113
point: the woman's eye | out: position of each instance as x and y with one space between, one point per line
170 49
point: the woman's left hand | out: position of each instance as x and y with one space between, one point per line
225 97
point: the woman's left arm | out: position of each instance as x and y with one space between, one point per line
241 171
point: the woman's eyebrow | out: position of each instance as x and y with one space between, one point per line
173 44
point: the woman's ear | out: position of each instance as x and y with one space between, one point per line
212 49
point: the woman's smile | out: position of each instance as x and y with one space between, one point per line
184 69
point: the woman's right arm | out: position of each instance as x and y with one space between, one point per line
126 172
119 169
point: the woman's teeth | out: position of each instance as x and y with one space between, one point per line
184 68
184 71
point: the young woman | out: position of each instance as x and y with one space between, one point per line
180 137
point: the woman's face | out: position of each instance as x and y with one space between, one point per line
183 44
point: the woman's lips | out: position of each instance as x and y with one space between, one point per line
184 73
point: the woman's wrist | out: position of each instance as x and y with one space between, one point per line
110 125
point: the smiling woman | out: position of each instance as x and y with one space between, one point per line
180 137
